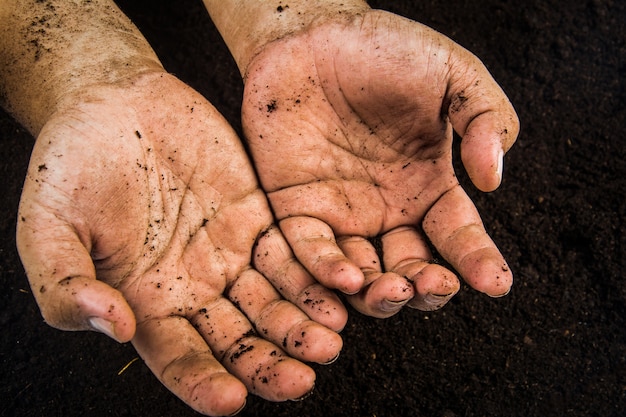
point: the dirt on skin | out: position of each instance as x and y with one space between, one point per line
555 346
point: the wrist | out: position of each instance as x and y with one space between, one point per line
248 25
52 51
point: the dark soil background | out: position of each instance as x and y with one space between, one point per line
555 346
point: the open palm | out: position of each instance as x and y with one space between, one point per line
350 125
139 217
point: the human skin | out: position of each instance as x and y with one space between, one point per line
141 215
349 113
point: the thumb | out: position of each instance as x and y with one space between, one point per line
483 116
63 279
81 303
483 146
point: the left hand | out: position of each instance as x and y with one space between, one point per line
140 217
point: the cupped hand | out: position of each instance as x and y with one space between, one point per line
140 217
350 124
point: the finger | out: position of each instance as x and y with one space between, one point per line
483 159
456 230
63 278
314 245
361 252
378 299
262 366
282 322
181 359
483 116
273 257
384 296
406 253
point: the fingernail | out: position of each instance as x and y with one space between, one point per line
500 167
391 306
305 396
501 295
436 301
332 360
240 409
103 326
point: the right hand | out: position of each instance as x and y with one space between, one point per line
349 121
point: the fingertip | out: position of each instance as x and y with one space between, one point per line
388 308
81 303
315 343
497 288
484 164
106 310
220 394
384 297
324 307
339 273
487 137
502 282
350 279
313 243
488 273
116 332
434 287
285 379
299 384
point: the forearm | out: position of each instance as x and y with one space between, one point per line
248 25
51 49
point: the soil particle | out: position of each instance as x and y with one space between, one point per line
271 106
243 348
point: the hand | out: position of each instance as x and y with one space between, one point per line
350 123
139 218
